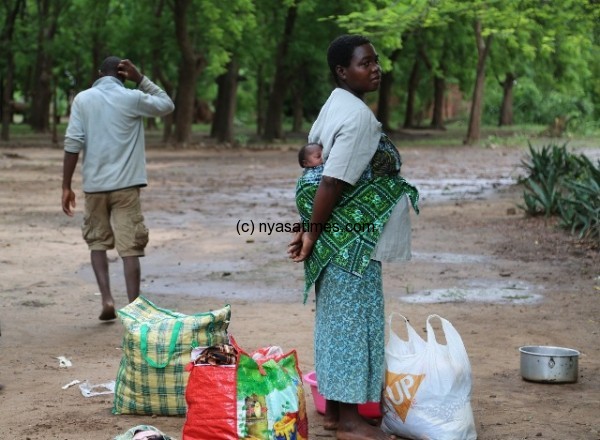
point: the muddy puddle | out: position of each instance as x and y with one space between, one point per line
214 262
430 190
482 290
489 290
167 273
446 190
450 258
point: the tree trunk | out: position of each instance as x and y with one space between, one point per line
100 12
298 90
168 88
159 74
260 99
439 89
40 103
55 115
49 12
506 110
274 119
184 101
189 68
385 94
298 111
483 48
383 103
8 80
222 124
7 86
151 124
413 83
7 92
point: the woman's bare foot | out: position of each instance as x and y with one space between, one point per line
364 431
108 313
371 421
351 426
332 415
331 424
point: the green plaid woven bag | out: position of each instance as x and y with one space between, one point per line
157 346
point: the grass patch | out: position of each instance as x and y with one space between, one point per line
561 183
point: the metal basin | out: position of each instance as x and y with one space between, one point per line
541 363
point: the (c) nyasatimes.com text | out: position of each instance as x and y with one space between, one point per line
249 227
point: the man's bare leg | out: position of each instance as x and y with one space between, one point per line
100 266
351 426
133 276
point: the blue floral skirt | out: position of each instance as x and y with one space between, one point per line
350 334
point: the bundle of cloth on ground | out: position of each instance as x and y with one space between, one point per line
143 432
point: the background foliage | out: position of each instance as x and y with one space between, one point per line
564 184
539 60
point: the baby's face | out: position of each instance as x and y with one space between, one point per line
314 156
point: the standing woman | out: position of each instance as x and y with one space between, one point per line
362 200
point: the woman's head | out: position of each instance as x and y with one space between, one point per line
354 64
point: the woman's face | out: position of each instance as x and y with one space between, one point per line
363 74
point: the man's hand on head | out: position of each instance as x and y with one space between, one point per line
128 71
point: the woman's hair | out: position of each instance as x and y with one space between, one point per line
341 49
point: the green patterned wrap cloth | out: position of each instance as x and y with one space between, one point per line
351 234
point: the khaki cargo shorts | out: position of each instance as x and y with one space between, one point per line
114 219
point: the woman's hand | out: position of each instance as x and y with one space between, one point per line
328 193
301 246
295 245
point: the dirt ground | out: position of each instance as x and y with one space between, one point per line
506 281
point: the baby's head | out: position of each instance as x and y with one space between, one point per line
310 155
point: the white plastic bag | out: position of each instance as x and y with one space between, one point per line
427 392
91 390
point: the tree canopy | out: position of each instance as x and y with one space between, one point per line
262 63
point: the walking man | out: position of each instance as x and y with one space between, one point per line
106 124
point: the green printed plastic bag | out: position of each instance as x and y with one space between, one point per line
261 397
270 397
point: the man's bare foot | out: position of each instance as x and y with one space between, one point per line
108 313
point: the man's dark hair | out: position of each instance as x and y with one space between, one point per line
340 51
109 66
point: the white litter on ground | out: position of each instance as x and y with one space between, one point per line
63 362
91 390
